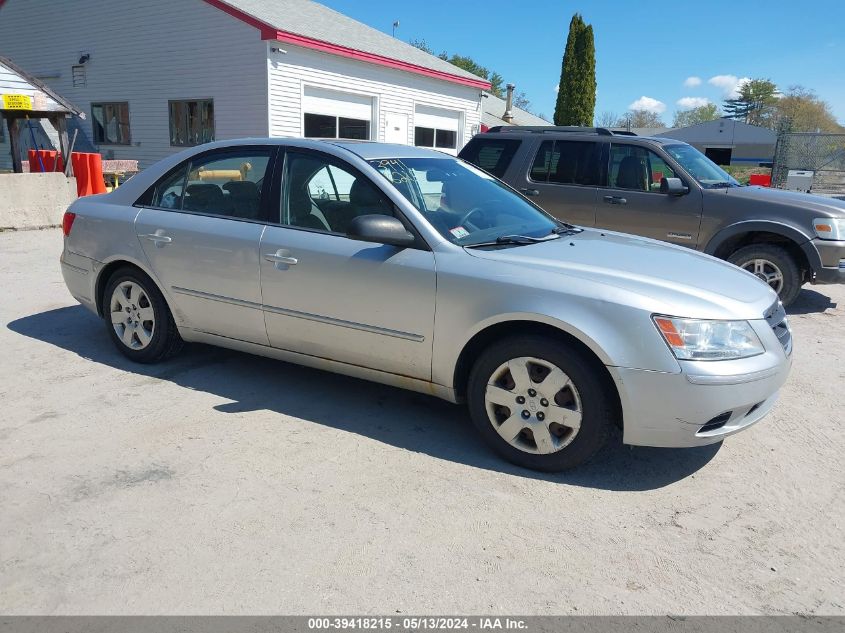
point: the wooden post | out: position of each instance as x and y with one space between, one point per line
14 142
60 123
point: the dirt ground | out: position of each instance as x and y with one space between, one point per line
224 483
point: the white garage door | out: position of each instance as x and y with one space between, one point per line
333 114
437 128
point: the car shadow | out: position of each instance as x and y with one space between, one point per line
417 422
810 302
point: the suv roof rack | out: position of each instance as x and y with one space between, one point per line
541 129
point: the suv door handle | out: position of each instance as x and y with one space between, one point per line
615 200
158 238
530 192
282 259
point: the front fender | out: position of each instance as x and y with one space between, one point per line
792 233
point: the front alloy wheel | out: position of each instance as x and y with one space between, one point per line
540 402
767 271
533 405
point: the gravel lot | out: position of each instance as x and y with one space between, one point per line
224 483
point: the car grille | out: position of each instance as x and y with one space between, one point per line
776 318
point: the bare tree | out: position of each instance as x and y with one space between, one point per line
607 119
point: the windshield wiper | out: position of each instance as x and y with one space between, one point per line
721 185
513 240
566 229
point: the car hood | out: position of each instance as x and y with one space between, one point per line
617 267
826 207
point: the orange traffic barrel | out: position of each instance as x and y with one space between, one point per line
82 172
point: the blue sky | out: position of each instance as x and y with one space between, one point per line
642 49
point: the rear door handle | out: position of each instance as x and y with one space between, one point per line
282 259
615 200
159 238
530 192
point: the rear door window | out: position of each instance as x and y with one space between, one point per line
493 155
568 163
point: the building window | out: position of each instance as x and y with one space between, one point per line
430 137
191 122
110 122
328 126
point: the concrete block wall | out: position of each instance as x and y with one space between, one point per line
29 201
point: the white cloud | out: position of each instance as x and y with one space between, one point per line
688 103
728 84
648 104
692 82
557 88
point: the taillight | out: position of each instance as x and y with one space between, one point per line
67 222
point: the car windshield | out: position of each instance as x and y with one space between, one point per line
697 165
466 205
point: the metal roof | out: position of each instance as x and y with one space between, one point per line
15 80
321 24
494 110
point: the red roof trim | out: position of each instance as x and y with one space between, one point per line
269 32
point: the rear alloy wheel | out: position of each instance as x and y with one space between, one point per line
540 404
140 323
772 264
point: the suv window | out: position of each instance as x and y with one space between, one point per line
323 194
637 168
493 155
568 163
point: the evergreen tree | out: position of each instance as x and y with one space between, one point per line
576 97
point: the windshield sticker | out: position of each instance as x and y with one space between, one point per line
459 232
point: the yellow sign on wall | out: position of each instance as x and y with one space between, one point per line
17 102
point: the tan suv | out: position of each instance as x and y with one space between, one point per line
667 190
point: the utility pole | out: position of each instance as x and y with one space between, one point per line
395 26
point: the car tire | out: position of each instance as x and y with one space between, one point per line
138 318
774 265
541 417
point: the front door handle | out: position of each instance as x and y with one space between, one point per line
530 192
615 200
282 259
158 238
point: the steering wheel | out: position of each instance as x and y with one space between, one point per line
482 207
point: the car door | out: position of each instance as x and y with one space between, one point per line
200 228
563 176
632 203
329 296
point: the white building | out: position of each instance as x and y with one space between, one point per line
159 75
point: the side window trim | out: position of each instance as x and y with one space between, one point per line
145 200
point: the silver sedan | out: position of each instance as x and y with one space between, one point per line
412 268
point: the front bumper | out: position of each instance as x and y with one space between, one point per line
674 409
832 255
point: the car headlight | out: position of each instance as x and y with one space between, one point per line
697 339
830 228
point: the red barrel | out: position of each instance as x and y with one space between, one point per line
95 173
82 173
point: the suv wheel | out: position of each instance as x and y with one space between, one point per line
539 403
772 264
140 323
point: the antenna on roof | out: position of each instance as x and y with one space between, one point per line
395 26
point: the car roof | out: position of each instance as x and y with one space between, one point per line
572 133
368 150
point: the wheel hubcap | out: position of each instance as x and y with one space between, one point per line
132 315
767 271
533 405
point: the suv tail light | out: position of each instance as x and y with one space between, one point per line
67 222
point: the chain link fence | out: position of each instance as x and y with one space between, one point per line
820 152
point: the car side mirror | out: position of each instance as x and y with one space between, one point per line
381 229
673 186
